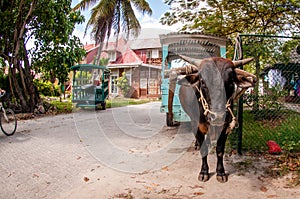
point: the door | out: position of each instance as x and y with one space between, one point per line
113 85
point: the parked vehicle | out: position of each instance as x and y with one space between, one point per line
188 44
90 85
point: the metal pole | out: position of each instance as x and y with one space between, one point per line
240 111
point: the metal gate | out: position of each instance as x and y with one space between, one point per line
271 111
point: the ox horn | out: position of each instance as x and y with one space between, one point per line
191 60
241 62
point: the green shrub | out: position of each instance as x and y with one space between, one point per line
123 84
46 88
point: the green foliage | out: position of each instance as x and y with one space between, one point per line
270 103
49 24
46 88
284 130
226 17
104 61
290 144
123 84
56 49
62 107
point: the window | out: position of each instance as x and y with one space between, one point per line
153 53
112 55
128 75
149 54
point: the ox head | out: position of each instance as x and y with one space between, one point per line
214 84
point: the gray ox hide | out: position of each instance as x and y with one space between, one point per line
207 95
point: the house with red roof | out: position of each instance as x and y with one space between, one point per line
140 58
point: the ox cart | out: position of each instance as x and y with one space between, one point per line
90 85
189 44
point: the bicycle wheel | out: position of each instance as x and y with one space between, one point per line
8 127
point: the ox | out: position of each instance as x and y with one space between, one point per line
207 94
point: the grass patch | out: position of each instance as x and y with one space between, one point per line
119 102
284 130
60 107
66 106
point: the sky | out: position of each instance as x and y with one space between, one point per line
158 9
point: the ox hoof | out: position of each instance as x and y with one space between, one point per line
203 177
222 177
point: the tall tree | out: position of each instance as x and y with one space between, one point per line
228 18
21 21
56 49
113 15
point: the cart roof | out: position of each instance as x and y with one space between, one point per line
88 67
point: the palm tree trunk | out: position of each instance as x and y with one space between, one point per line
97 59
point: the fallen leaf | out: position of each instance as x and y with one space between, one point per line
263 189
138 181
196 187
148 188
198 193
86 179
78 157
154 184
272 196
144 172
163 191
35 175
165 168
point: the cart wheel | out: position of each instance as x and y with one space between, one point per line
103 105
97 107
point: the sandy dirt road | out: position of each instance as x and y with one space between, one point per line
120 153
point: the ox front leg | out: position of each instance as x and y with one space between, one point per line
221 175
204 173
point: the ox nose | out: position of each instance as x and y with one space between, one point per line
216 118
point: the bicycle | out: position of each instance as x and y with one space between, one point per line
8 120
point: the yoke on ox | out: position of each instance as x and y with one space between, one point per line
207 94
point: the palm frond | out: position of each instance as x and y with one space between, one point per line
84 4
142 6
130 23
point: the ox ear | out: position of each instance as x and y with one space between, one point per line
245 79
188 80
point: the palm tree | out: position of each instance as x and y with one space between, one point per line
114 15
